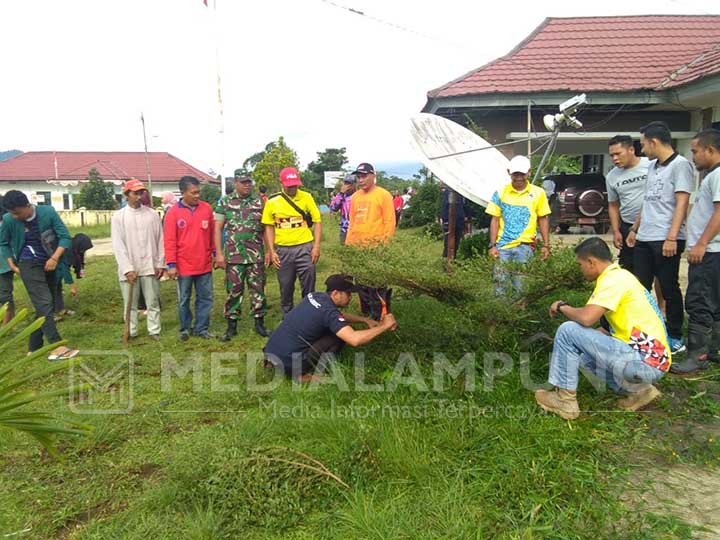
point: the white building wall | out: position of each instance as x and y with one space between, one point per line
35 190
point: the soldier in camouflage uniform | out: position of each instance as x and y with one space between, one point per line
243 257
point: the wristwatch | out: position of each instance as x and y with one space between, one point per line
491 245
561 304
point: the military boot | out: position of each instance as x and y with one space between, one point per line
231 330
260 327
697 356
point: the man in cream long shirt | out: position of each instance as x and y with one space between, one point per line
137 240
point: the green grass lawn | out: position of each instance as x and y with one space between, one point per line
201 459
95 231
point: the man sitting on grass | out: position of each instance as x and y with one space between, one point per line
316 327
629 359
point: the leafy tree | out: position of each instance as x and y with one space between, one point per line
424 175
394 183
330 159
209 193
250 163
267 171
557 163
476 128
424 206
95 194
7 154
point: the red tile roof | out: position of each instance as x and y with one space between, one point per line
116 166
614 54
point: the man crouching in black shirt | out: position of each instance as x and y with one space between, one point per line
316 327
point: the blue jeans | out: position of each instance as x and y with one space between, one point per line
203 302
518 254
614 362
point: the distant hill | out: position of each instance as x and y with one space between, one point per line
402 169
7 154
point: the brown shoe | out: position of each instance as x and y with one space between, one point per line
558 401
638 400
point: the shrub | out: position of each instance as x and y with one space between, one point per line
210 194
424 206
411 262
474 245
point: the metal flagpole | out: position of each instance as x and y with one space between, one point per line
220 101
147 158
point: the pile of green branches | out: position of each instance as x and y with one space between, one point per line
411 265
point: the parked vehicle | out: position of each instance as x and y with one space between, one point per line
577 200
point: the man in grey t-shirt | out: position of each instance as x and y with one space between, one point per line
625 186
702 300
659 231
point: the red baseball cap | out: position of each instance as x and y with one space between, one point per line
290 177
133 185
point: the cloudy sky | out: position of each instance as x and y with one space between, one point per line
76 74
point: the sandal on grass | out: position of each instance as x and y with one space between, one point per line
62 353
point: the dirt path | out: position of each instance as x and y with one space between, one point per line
688 492
102 247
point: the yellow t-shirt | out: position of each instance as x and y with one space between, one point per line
372 218
633 315
518 212
290 227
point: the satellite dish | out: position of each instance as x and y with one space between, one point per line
454 155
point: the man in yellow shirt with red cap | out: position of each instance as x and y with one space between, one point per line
292 234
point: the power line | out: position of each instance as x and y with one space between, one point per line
464 46
395 25
674 75
490 146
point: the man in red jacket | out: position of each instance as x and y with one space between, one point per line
189 229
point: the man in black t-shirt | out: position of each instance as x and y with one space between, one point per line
316 327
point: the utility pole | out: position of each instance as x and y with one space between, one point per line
529 130
147 158
452 216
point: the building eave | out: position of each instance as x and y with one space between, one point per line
691 91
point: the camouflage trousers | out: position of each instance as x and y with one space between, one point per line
235 277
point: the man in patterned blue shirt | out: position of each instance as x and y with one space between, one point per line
517 212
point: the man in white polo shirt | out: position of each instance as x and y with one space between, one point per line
625 186
658 235
702 299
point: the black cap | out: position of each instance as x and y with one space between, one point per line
364 168
242 178
340 282
350 179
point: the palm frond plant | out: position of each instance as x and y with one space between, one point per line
17 371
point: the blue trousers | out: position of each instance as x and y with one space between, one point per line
518 254
203 302
616 363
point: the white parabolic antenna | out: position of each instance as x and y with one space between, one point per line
454 155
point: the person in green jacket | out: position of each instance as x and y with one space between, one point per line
32 240
7 277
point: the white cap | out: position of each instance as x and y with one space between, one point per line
519 164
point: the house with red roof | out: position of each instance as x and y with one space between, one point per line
54 177
634 69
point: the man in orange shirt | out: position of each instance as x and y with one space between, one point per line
372 214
